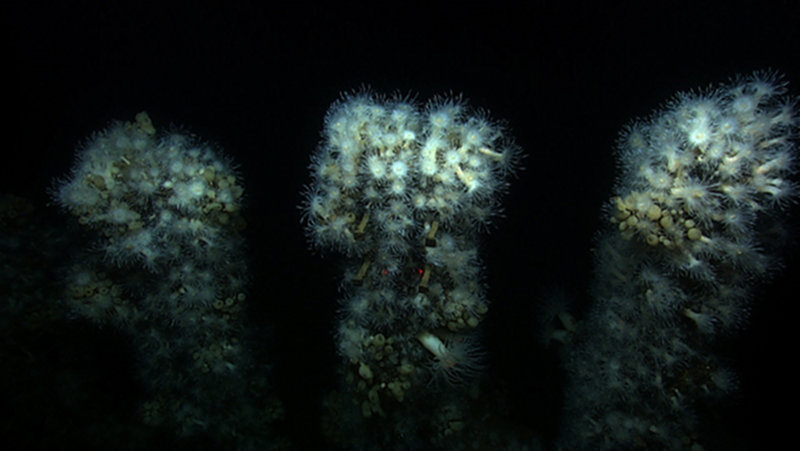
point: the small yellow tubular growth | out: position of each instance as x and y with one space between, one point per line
467 178
430 240
426 277
362 272
491 153
362 226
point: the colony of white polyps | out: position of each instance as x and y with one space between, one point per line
400 165
695 177
693 228
169 273
402 191
153 199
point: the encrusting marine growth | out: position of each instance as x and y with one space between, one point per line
402 193
167 270
692 228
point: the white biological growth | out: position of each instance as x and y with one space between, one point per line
708 157
348 146
429 166
398 188
399 169
426 179
694 218
743 105
440 119
473 137
165 256
452 158
699 133
390 140
120 214
138 188
455 360
376 166
458 154
176 167
197 188
728 126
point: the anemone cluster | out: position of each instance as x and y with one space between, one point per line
153 199
402 193
166 270
691 230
